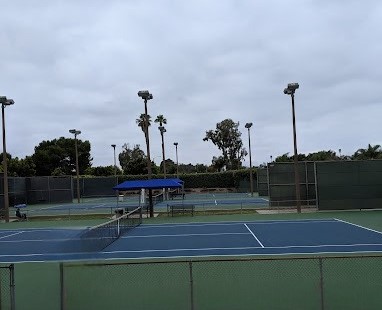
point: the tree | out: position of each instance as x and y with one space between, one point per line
133 160
142 121
60 153
201 168
372 152
322 155
285 158
170 166
21 167
101 171
218 163
161 120
227 138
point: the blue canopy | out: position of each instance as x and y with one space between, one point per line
149 184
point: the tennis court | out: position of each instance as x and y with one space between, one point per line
236 238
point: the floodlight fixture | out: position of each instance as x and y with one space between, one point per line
248 125
75 132
145 95
293 86
290 90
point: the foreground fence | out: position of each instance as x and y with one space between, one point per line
7 288
351 282
302 283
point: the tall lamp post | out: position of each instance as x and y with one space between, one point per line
162 131
76 133
177 164
5 102
248 126
290 90
145 95
115 164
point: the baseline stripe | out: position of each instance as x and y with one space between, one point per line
20 232
359 226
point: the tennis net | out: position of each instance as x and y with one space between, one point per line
99 237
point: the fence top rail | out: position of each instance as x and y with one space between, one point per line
214 260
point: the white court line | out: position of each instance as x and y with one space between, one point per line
181 235
201 249
244 248
197 224
20 232
39 240
257 239
359 226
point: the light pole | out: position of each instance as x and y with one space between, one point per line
271 158
5 102
145 95
290 90
76 133
115 164
248 126
339 151
177 164
162 131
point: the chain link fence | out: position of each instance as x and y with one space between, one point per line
272 283
7 288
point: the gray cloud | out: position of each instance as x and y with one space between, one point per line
71 64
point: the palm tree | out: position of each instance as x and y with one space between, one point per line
161 120
141 122
372 152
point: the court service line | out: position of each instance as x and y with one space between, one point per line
198 224
359 226
257 239
181 235
20 232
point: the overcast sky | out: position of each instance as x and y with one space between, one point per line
79 64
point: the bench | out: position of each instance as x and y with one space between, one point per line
174 195
180 209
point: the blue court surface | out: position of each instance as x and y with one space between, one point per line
281 237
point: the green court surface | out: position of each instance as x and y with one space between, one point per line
298 282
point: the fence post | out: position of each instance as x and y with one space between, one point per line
191 286
62 287
12 286
321 283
